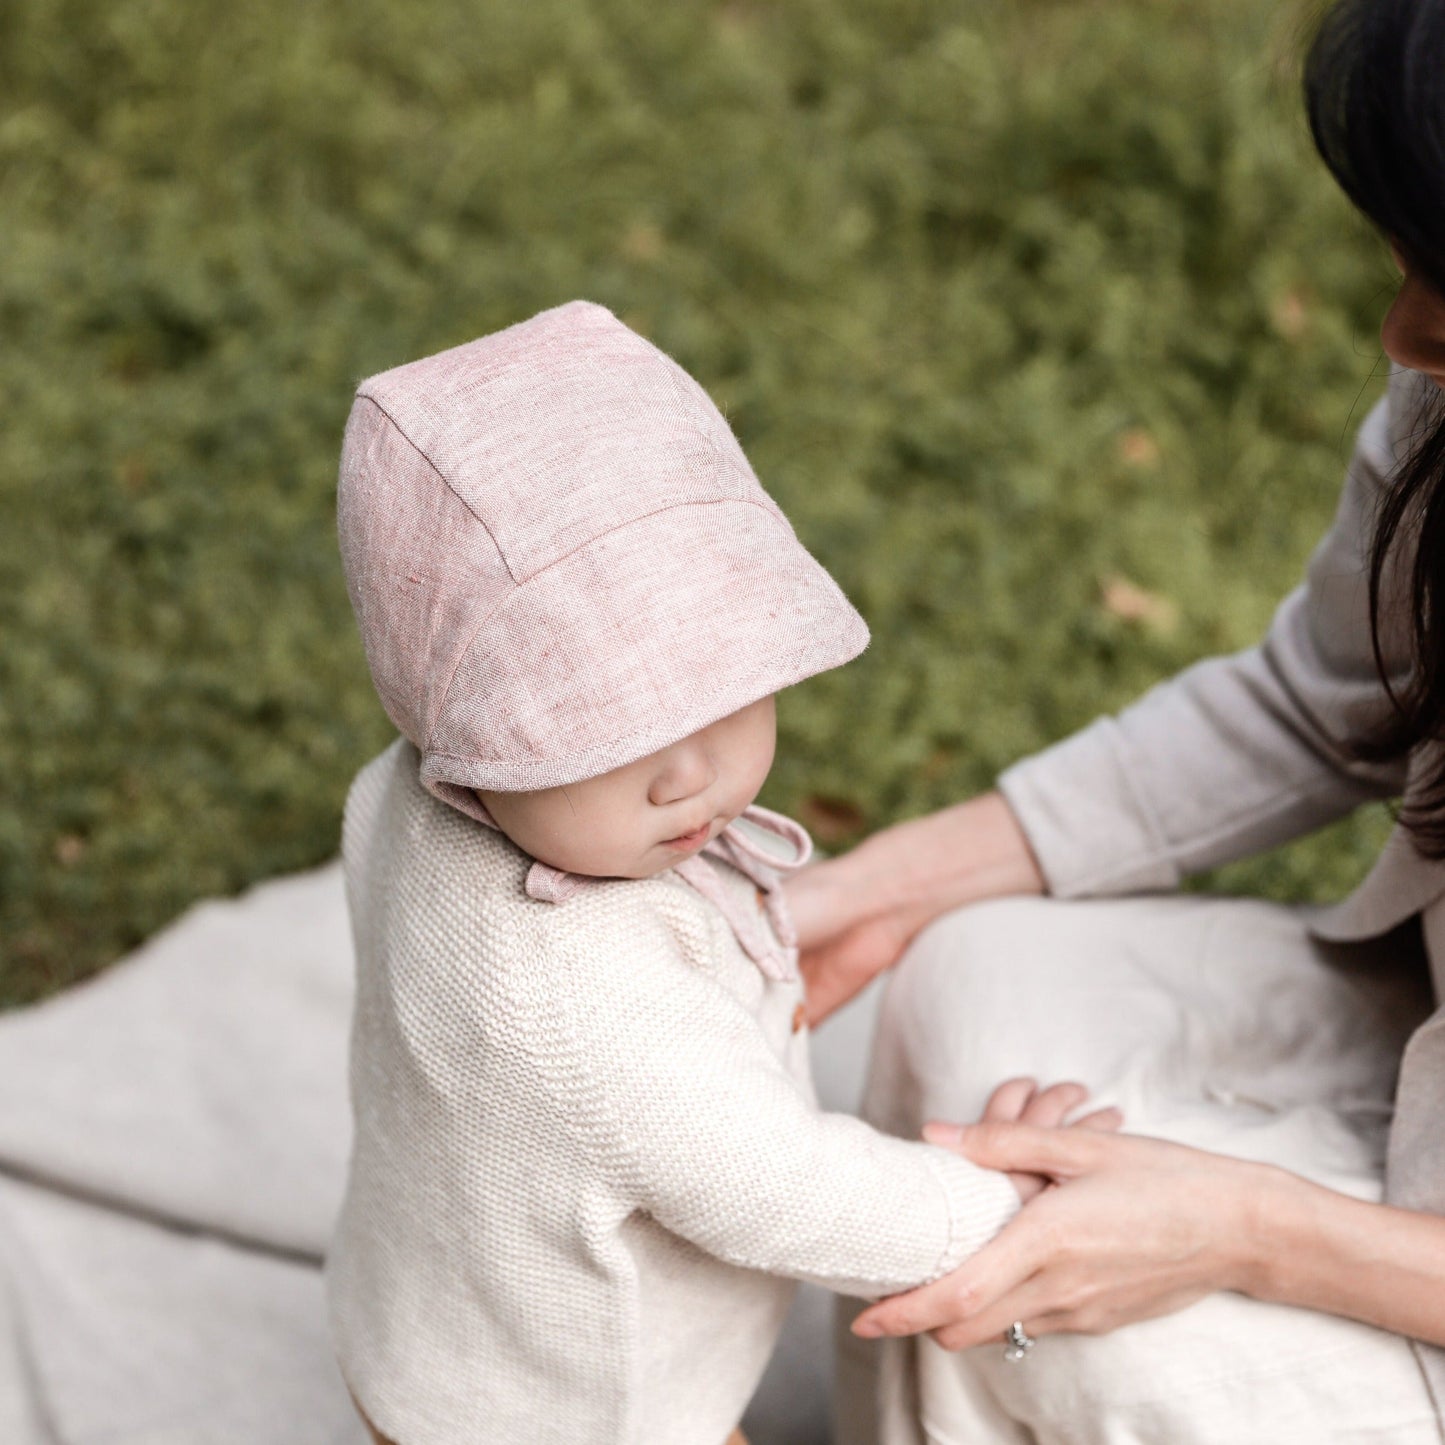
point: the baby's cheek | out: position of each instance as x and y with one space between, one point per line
593 848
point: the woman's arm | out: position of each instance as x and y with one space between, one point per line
1139 1227
856 914
1233 756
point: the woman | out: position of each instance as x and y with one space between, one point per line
1273 1266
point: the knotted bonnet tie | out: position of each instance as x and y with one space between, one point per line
776 958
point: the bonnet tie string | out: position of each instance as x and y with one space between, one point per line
776 960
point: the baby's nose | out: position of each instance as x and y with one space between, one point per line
687 770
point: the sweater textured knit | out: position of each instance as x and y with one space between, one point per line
588 1157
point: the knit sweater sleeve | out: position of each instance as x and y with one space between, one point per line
670 1089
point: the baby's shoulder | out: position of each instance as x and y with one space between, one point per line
660 914
456 892
613 951
416 838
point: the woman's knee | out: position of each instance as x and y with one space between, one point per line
957 1015
986 963
971 947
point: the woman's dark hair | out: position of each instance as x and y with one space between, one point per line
1375 92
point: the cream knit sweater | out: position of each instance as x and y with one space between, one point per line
588 1158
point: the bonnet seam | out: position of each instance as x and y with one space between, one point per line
441 477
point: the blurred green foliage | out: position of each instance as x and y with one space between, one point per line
1037 316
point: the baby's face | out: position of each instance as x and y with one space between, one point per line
644 817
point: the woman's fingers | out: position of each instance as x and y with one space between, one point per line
835 971
1045 1307
842 965
1026 1305
1136 1227
830 979
994 1331
1101 1121
946 1301
992 1274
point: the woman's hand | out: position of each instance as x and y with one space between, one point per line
856 914
1139 1227
1136 1228
845 942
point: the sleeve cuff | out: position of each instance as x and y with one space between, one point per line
1087 824
980 1203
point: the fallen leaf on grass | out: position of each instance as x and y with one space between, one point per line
830 820
643 241
1137 448
1131 603
1290 315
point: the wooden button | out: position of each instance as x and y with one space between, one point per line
800 1017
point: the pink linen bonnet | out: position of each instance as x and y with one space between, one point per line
561 561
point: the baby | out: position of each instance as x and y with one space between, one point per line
588 1160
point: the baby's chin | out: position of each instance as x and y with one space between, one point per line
636 862
656 860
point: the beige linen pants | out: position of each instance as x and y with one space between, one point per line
1213 1022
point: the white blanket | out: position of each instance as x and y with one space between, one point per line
173 1136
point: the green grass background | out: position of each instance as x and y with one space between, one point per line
1007 300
